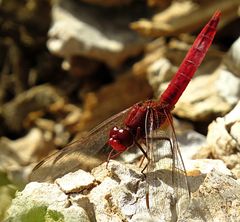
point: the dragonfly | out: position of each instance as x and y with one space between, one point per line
147 125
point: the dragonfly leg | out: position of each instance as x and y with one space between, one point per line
112 156
141 162
145 156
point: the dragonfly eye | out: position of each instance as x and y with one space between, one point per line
120 139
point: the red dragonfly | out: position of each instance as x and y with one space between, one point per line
147 125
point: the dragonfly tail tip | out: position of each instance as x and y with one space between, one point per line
217 14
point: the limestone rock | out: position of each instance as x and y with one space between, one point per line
92 32
44 202
120 194
175 18
223 139
34 99
232 58
190 142
205 166
199 102
217 199
17 155
108 3
76 181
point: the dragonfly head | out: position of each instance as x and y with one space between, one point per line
120 139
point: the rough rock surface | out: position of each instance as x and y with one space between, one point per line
80 180
175 18
108 3
34 99
199 102
232 58
92 32
17 155
217 199
118 193
44 202
223 139
190 143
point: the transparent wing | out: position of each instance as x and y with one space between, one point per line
165 174
180 180
85 153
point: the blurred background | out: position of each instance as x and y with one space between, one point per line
66 66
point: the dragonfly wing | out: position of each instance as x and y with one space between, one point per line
165 173
180 180
84 153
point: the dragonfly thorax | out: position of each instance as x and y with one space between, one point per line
135 120
120 139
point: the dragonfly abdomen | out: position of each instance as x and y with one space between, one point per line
190 63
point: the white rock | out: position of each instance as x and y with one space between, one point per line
233 116
228 86
205 166
190 142
209 95
76 182
235 129
232 58
217 199
100 196
219 136
121 195
44 202
126 199
24 148
16 155
162 66
108 3
223 139
88 31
